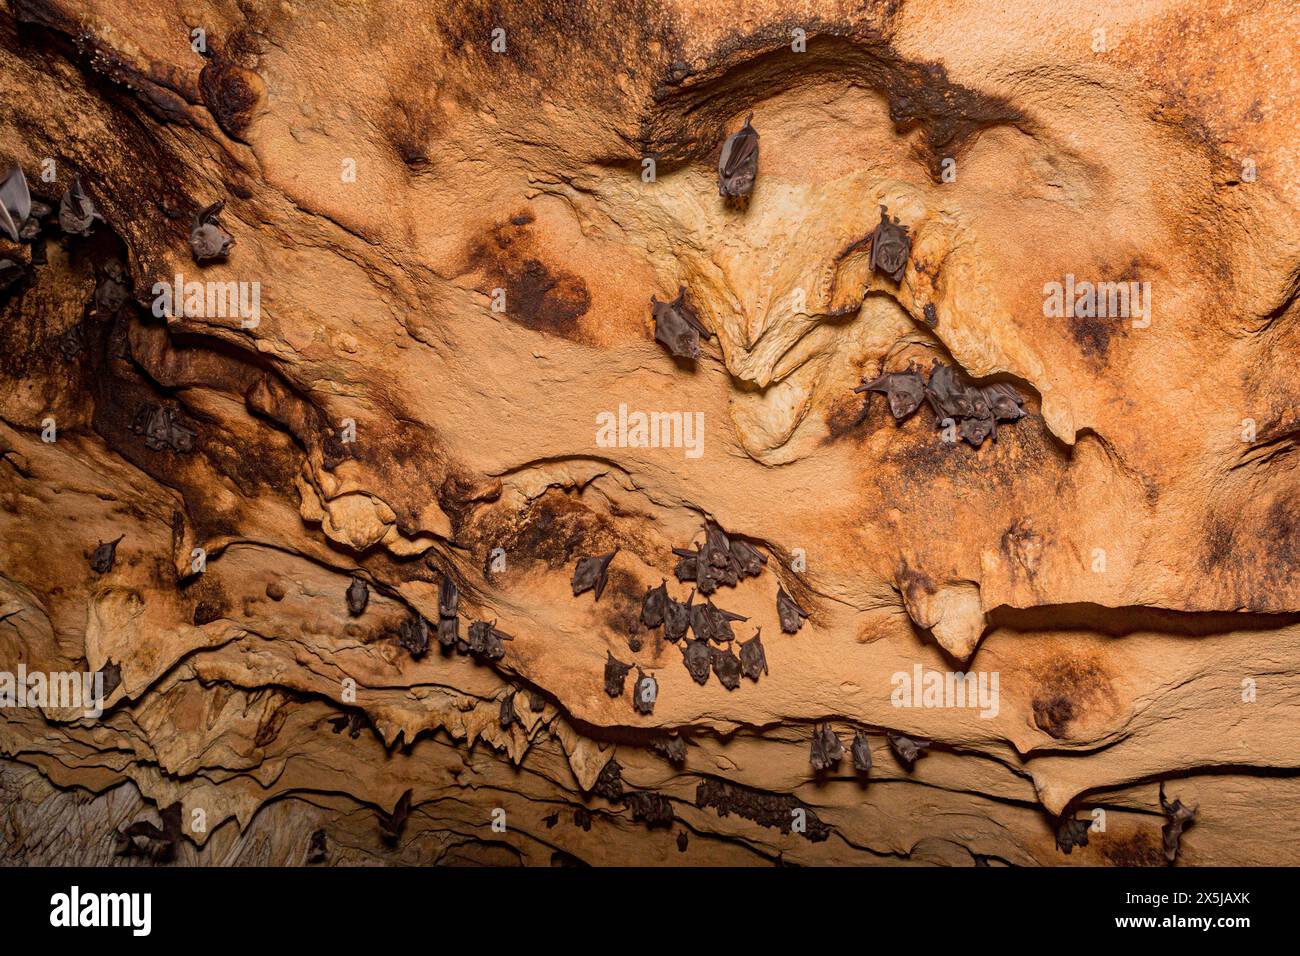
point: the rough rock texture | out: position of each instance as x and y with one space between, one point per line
456 250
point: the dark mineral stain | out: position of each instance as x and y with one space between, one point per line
1093 334
538 296
1068 689
1139 848
231 93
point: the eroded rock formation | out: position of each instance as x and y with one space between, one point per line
448 225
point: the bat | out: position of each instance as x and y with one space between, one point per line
727 666
112 677
861 751
71 343
750 559
609 782
413 634
317 851
946 393
905 390
161 427
20 215
673 749
102 558
890 247
448 598
826 748
592 573
615 675
977 410
907 749
695 655
143 838
685 569
11 273
1177 819
485 640
720 623
1071 832
113 288
354 723
508 715
677 327
207 239
449 634
654 605
77 212
358 596
681 841
650 809
677 617
582 818
392 824
536 702
752 657
790 614
552 820
738 164
644 693
1004 402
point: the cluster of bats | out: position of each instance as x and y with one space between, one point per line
677 325
161 427
827 749
1072 832
146 839
22 219
717 561
974 409
483 640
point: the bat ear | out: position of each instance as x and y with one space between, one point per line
749 117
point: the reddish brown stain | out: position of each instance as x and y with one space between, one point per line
1070 688
537 295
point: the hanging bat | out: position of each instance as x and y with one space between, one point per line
317 851
752 658
207 239
592 572
1177 819
890 247
449 633
946 393
77 212
907 749
615 675
160 425
552 820
749 558
861 751
353 723
686 568
582 818
738 164
974 430
413 634
536 702
826 748
677 618
1004 402
71 343
112 289
650 809
677 327
392 824
508 715
681 841
1071 832
102 558
609 782
358 596
143 838
654 605
695 655
644 693
485 640
720 623
905 390
112 677
673 749
727 666
790 614
20 215
11 273
448 597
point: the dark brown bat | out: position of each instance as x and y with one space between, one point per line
861 751
677 327
790 614
685 569
508 715
582 818
727 666
102 558
654 605
448 597
826 748
449 633
682 840
905 390
552 820
695 655
591 573
113 288
615 675
71 343
207 239
1177 819
946 393
485 640
750 559
413 634
673 749
907 749
677 618
1004 402
738 164
650 809
1071 832
358 596
644 693
317 850
11 274
354 723
392 824
77 212
752 657
112 677
609 782
536 702
161 427
890 247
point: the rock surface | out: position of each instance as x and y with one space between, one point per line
455 236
